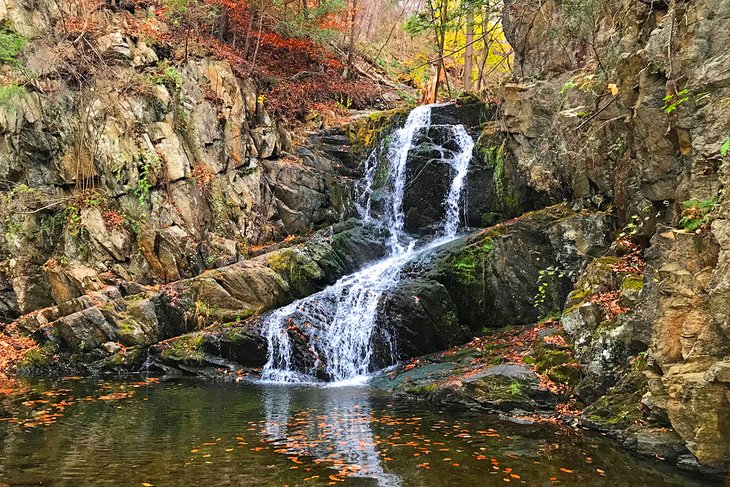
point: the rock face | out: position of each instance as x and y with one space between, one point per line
625 112
145 172
490 279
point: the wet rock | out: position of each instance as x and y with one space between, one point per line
508 386
493 276
422 318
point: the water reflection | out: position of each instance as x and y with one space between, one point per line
335 430
189 432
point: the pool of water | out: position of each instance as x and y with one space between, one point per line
193 432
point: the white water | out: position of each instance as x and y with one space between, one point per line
342 319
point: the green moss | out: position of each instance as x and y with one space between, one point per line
558 364
605 326
127 325
633 282
38 356
546 358
243 316
621 407
299 270
497 360
492 152
468 261
576 298
498 390
469 352
366 132
616 413
423 390
116 360
564 374
169 76
489 219
186 349
580 294
608 260
10 92
135 355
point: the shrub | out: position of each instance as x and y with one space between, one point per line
696 213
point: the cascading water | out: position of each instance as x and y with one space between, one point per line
342 318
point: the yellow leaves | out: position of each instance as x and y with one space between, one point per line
147 484
613 89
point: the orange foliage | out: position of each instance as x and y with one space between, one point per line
13 347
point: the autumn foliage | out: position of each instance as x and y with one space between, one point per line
294 73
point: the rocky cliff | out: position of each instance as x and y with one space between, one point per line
624 106
122 163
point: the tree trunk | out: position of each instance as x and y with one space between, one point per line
469 52
258 36
223 24
351 48
249 28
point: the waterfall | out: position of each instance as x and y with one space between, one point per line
342 319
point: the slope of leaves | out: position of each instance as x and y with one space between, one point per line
294 73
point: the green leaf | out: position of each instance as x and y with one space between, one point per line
725 147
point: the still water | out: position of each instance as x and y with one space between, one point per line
183 432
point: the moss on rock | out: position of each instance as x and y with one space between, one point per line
299 270
424 390
621 406
38 356
187 349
